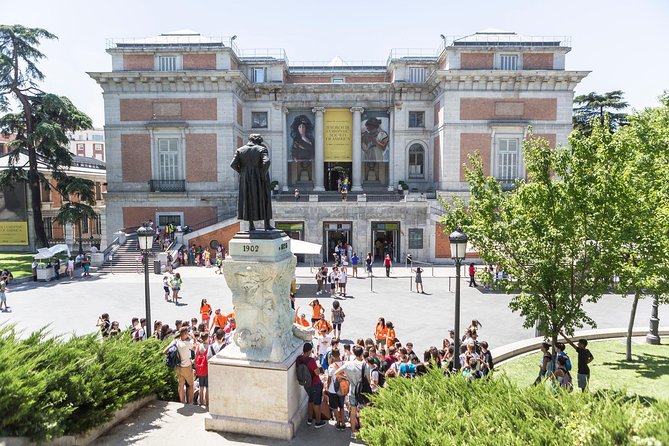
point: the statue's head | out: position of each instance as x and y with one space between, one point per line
256 138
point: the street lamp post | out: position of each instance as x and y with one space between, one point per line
145 236
458 242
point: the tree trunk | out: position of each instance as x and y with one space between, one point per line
41 240
628 352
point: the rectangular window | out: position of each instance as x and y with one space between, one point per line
259 75
507 159
48 227
81 149
167 63
415 238
84 225
168 154
259 120
46 193
337 80
98 225
164 219
416 119
98 191
508 62
417 74
98 137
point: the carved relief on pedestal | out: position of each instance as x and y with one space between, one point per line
260 293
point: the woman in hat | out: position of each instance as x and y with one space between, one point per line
303 139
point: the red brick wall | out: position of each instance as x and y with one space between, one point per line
537 61
541 109
551 137
133 216
137 62
201 157
470 143
199 61
442 247
191 109
136 158
477 61
223 236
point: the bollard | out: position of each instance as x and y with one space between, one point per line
371 283
410 283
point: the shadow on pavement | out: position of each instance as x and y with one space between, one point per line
645 365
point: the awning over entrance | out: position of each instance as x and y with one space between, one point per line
302 247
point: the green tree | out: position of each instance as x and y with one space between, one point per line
81 207
593 106
643 150
41 125
549 233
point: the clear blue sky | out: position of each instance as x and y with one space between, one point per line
623 43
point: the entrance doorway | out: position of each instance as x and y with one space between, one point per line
334 172
386 240
334 235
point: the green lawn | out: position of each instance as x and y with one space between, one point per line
647 375
18 263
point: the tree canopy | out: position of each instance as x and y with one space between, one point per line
595 106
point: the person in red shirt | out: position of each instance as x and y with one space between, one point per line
387 263
472 273
315 392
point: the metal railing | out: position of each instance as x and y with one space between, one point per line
170 40
211 221
167 185
419 263
251 55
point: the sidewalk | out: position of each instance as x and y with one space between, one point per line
168 423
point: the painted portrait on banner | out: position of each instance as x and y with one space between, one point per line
301 140
375 137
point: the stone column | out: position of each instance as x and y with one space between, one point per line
391 147
286 149
319 156
357 150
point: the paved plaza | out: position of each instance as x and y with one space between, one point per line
72 306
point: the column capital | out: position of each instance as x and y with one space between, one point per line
284 110
357 109
318 109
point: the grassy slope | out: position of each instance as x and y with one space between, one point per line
647 375
18 264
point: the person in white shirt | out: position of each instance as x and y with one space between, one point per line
337 402
217 345
70 267
323 343
185 344
343 277
353 371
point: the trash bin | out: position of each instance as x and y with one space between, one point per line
156 267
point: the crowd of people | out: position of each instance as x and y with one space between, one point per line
366 365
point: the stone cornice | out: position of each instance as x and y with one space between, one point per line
192 80
498 80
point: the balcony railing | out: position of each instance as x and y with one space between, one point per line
167 185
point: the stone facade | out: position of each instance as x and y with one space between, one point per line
178 105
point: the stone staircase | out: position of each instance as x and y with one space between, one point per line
124 260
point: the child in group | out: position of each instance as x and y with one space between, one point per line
166 287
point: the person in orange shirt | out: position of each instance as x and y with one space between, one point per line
232 321
205 311
322 323
302 320
390 337
219 320
381 332
317 311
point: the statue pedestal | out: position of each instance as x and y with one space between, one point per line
253 387
255 398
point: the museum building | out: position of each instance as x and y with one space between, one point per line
396 134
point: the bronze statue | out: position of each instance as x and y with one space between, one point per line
251 162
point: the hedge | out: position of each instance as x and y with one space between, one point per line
436 410
50 387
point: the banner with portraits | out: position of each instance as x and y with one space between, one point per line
13 216
375 138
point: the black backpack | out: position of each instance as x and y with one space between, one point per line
173 358
363 389
303 374
382 377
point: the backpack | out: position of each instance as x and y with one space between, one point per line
201 364
173 359
382 377
341 385
303 374
363 389
325 361
385 365
568 364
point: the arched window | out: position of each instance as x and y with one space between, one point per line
416 162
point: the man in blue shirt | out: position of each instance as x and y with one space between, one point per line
354 263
